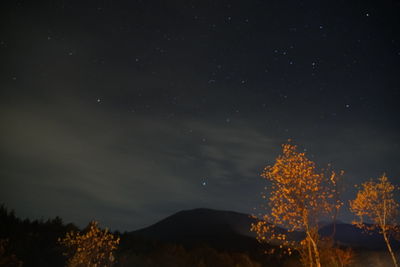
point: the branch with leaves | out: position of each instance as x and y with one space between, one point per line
92 248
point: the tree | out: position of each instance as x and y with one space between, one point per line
92 248
375 202
300 196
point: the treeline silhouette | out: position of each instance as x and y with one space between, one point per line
25 242
36 243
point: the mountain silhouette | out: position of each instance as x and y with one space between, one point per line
231 230
221 229
350 235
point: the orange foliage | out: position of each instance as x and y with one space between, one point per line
299 196
332 255
92 248
375 202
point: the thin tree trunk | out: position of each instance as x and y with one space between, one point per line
316 252
390 249
383 227
310 257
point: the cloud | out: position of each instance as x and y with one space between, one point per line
62 156
99 160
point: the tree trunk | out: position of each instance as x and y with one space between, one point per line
390 249
316 252
310 257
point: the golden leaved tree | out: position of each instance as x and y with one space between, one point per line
375 202
92 248
299 197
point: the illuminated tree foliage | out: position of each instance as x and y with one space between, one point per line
375 202
299 197
92 248
331 255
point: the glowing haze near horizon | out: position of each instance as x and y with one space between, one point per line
129 111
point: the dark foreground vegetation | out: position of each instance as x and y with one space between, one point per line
36 243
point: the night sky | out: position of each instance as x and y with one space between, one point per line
129 111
